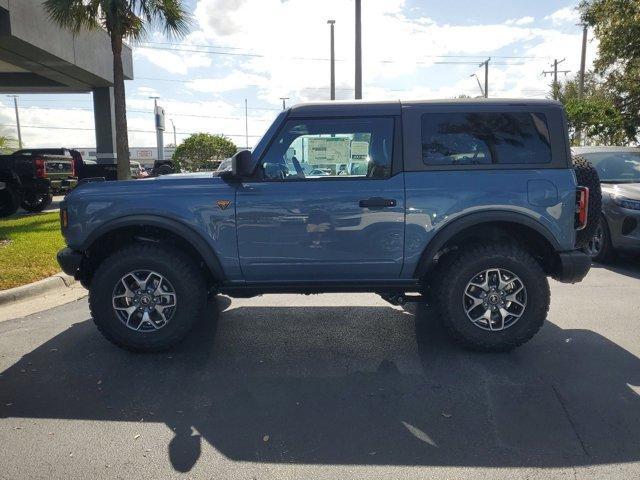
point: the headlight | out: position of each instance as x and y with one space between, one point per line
626 203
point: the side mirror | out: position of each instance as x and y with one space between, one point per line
241 166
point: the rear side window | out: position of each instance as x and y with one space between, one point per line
485 138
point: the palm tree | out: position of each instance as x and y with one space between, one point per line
8 144
122 19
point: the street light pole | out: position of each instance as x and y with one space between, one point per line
486 77
246 124
175 138
479 84
15 105
159 136
358 79
333 59
284 102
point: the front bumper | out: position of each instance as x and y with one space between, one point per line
573 266
624 227
69 261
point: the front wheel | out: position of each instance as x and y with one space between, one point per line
492 297
599 247
146 298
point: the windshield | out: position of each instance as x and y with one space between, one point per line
616 167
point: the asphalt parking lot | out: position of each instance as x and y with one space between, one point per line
329 386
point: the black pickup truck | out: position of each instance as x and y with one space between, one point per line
31 177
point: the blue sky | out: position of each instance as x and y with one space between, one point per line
262 50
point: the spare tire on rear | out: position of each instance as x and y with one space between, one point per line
587 176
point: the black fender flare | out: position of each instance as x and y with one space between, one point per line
176 227
456 226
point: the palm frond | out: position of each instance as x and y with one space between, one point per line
74 14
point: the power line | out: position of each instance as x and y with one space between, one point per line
202 45
84 109
319 59
178 80
130 130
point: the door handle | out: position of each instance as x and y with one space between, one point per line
377 202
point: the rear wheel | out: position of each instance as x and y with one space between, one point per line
492 297
36 202
146 298
9 201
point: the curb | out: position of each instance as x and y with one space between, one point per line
36 289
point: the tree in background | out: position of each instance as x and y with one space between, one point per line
122 19
8 144
596 114
617 26
203 151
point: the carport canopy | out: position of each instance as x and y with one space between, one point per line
37 56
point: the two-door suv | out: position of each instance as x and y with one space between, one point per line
469 205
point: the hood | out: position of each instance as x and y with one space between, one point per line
627 190
149 186
188 176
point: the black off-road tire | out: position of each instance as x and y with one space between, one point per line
180 270
457 271
37 202
587 176
9 201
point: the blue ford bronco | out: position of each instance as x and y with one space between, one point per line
468 205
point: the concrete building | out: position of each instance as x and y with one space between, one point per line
145 155
37 56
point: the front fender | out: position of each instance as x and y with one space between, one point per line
176 227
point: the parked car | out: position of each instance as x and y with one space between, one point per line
619 221
137 170
223 167
61 166
469 205
33 176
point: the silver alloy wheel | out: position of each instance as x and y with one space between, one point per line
494 299
144 300
595 244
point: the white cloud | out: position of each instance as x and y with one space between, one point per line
520 21
173 61
236 80
566 15
293 37
147 92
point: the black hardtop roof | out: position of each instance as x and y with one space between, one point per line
359 107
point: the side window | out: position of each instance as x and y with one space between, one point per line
485 138
321 148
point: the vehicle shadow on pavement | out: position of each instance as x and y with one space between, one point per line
624 265
346 385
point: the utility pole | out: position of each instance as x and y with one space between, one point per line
555 86
485 64
583 59
333 60
175 138
246 124
158 113
358 86
284 102
583 62
15 105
